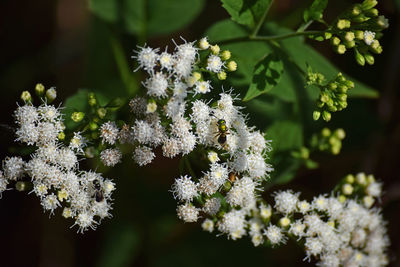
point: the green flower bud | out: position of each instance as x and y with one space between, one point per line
101 112
215 49
349 84
26 96
340 133
326 132
359 58
343 89
21 186
92 99
350 44
225 55
93 126
227 186
342 97
222 75
369 59
356 10
326 115
90 152
382 22
349 178
360 18
332 86
359 35
316 115
61 136
342 24
51 94
232 66
39 89
335 150
335 41
320 104
349 36
324 97
327 35
77 116
368 4
341 49
373 12
304 153
376 47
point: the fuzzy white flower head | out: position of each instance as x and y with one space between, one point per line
157 85
26 114
50 203
184 189
27 133
147 58
49 113
286 201
143 132
67 159
200 112
3 184
187 143
218 173
48 133
257 167
242 192
369 37
208 225
203 43
212 206
214 63
109 132
297 228
183 67
143 155
85 220
166 61
77 143
187 212
233 223
13 168
265 211
187 51
274 235
213 156
110 157
180 89
202 87
374 189
138 105
320 203
313 246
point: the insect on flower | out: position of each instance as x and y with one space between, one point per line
99 195
222 132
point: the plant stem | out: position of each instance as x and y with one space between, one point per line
261 21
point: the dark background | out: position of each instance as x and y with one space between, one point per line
60 43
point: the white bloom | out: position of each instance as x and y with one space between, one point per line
180 90
138 105
77 143
218 174
213 156
26 114
214 63
212 206
157 85
67 159
369 37
303 206
275 235
184 189
111 157
242 192
203 43
27 133
48 133
143 155
13 168
320 203
166 61
208 225
84 221
187 212
374 189
49 113
297 228
233 223
313 246
50 203
265 211
187 51
183 67
143 132
202 87
147 58
200 112
286 201
109 132
171 147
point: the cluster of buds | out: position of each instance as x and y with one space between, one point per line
328 141
52 173
333 94
361 186
358 28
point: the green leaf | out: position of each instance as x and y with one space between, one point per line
315 11
148 17
286 135
120 246
246 12
267 74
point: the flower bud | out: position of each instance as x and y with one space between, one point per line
215 49
92 99
359 58
359 35
151 106
368 4
342 24
39 89
356 10
373 12
90 152
316 115
343 89
335 41
349 179
349 36
349 84
327 35
77 116
360 18
326 132
369 59
382 22
376 47
222 75
61 136
232 66
204 44
26 96
350 44
326 115
101 112
51 94
225 55
93 126
341 49
347 189
21 186
340 133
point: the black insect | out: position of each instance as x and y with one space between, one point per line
99 194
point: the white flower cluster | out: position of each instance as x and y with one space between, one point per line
53 168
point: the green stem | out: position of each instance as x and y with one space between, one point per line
189 168
270 38
304 27
261 21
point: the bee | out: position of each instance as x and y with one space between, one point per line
99 195
222 132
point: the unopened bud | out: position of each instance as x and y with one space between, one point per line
93 126
326 115
341 49
368 4
77 116
215 49
26 96
203 43
232 66
327 35
359 35
51 94
349 36
369 59
39 89
101 112
359 58
316 115
61 136
335 41
222 75
225 55
343 24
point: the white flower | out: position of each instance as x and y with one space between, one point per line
110 157
26 114
180 90
297 228
275 235
84 221
242 192
77 143
208 225
171 147
200 112
218 174
188 213
320 203
214 63
109 132
13 168
49 113
213 156
67 159
265 211
212 206
166 61
50 203
186 51
143 155
147 58
27 133
184 189
202 87
374 189
157 85
203 43
138 105
369 37
313 246
233 223
143 132
286 201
